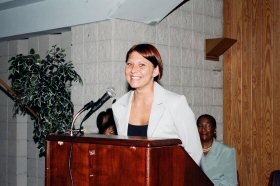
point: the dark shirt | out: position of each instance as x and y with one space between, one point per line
137 130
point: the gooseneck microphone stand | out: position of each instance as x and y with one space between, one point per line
93 106
86 107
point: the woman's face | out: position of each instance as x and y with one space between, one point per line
139 71
206 130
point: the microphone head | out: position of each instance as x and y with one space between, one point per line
111 92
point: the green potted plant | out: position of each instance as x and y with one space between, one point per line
44 85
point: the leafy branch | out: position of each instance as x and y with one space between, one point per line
44 85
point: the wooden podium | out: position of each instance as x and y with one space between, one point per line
121 161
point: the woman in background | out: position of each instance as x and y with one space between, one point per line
105 123
218 161
150 110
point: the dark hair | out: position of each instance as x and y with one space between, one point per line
149 52
103 126
211 119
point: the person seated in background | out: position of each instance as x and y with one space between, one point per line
105 123
218 161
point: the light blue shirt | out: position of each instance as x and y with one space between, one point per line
220 165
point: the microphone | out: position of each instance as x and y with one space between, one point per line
109 94
96 105
88 105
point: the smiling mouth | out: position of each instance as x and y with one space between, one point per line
135 78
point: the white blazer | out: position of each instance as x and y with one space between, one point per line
171 117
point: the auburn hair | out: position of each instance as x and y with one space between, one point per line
149 52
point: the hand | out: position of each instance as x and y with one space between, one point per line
109 131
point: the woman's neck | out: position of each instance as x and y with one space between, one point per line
144 93
141 106
207 144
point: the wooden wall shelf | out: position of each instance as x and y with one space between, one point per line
216 47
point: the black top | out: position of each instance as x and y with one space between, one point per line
137 130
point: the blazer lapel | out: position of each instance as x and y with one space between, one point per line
156 113
124 113
157 109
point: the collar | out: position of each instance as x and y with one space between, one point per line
159 96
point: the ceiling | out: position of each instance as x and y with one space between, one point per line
20 18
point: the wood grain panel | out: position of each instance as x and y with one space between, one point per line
267 91
236 84
227 70
231 83
246 115
276 86
252 86
256 90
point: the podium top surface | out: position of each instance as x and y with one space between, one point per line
136 141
